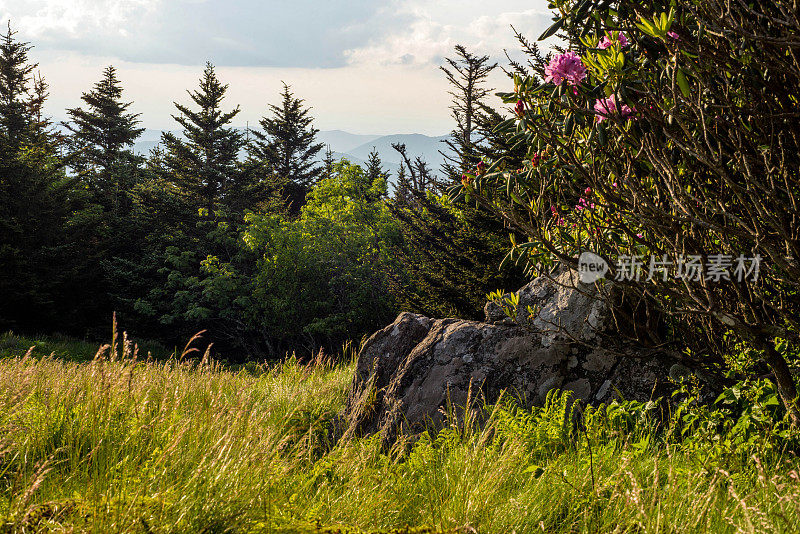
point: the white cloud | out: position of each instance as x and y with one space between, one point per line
435 28
75 18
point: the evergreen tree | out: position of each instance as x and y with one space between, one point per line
374 168
452 252
421 179
450 256
402 188
42 237
467 74
287 146
102 138
15 72
374 171
328 163
40 125
204 166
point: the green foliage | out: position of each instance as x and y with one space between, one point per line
322 275
450 253
271 283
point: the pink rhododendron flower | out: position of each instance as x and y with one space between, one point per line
607 41
673 35
519 109
607 107
567 67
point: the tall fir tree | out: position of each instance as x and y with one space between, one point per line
452 251
102 137
204 165
374 167
467 74
327 163
42 237
287 145
374 170
15 74
402 187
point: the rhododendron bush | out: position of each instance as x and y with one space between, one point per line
665 131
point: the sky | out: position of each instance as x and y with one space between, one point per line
363 66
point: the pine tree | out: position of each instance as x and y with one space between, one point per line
327 163
452 252
467 75
374 168
204 166
43 246
15 72
102 138
421 179
450 256
402 188
287 146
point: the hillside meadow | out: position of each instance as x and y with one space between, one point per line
117 444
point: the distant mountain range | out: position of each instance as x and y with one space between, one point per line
354 147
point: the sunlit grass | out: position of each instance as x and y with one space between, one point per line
131 446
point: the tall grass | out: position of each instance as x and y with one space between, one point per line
117 445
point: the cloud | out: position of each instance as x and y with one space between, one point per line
435 28
277 33
273 33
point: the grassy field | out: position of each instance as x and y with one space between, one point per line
117 445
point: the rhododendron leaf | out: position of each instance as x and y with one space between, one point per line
505 126
582 9
552 29
493 166
568 125
683 83
566 236
647 27
601 134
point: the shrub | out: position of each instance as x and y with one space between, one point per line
672 133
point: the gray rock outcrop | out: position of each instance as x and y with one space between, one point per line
409 372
